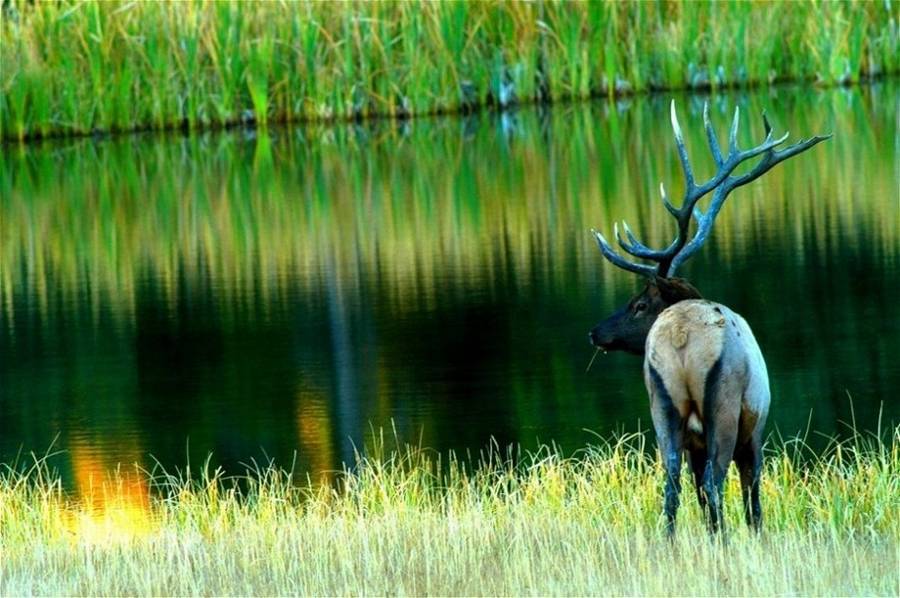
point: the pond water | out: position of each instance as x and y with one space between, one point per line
287 295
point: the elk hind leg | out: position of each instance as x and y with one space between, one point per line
721 427
698 467
717 463
672 460
749 461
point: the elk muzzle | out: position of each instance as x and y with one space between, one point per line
621 332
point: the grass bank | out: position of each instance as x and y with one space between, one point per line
76 67
406 522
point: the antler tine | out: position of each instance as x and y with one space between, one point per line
631 238
711 136
732 135
766 124
610 254
622 243
770 159
682 151
665 199
634 246
793 150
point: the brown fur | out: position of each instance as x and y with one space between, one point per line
673 290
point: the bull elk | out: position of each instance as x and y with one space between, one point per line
704 371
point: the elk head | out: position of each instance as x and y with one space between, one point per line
627 328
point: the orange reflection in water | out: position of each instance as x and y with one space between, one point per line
112 503
314 434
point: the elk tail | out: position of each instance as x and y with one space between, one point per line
694 424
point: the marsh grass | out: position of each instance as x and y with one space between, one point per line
404 520
78 67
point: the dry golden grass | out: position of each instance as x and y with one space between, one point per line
409 522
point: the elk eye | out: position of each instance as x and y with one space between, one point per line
639 307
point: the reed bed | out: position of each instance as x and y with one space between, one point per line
76 67
407 521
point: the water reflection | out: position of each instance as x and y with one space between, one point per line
282 295
112 502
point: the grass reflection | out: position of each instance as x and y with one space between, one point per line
89 221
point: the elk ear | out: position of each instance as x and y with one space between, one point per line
673 290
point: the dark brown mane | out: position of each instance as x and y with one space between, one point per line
674 290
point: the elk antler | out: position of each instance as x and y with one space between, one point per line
722 182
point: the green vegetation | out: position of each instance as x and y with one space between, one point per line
407 522
76 67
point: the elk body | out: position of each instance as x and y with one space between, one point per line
703 369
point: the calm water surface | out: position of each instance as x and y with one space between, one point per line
287 294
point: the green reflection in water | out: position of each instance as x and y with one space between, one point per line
291 291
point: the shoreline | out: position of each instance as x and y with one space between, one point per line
85 69
184 130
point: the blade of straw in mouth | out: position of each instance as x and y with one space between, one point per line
591 362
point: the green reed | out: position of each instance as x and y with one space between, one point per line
408 521
76 67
